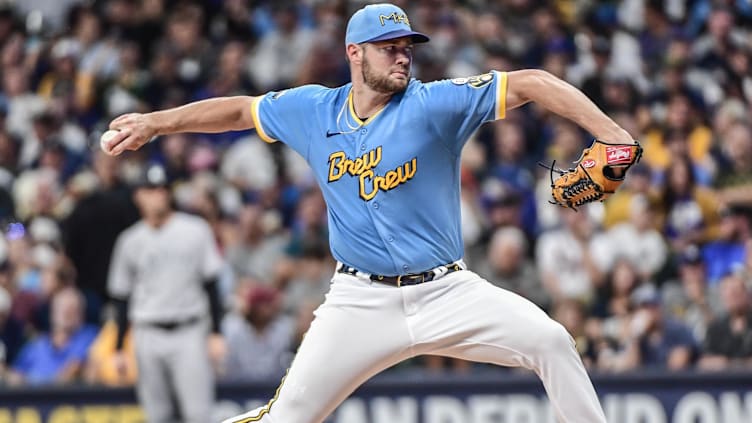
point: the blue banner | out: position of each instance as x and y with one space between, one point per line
503 397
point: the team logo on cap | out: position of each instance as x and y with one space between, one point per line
394 17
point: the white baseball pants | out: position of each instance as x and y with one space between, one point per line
364 327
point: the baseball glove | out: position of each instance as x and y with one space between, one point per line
593 177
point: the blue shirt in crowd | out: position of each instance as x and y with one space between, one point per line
40 361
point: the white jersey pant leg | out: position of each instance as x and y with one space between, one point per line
153 385
192 373
174 370
464 316
358 331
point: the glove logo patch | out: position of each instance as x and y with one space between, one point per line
619 155
588 181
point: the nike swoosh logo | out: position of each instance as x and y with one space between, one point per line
331 134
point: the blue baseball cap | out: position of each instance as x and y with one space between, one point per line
379 22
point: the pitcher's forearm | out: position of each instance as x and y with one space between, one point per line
206 116
561 98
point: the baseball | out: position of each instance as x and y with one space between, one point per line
108 135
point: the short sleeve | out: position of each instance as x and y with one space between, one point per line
460 105
286 116
25 358
84 339
212 260
119 280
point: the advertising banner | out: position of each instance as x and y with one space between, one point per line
494 398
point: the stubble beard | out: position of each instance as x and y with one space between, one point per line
382 84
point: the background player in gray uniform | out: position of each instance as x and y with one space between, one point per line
163 270
385 150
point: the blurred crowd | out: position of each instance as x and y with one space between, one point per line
658 276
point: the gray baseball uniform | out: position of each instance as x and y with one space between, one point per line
162 270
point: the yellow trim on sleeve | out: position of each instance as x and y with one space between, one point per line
501 96
257 122
354 115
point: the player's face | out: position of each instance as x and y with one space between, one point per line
386 64
154 203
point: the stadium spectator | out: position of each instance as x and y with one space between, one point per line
728 343
105 365
59 83
11 333
310 281
727 252
618 208
59 355
593 83
281 53
258 336
690 298
23 105
564 258
655 340
257 245
308 225
249 165
690 212
55 274
503 206
613 299
108 207
682 120
509 163
636 240
734 181
192 51
572 315
99 57
656 35
508 266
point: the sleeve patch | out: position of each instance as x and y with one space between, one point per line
477 81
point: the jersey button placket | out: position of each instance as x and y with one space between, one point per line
376 205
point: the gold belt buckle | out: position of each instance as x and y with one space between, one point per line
421 276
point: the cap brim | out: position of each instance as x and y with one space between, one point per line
416 37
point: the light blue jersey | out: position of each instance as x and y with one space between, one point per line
391 182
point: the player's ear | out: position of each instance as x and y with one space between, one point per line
354 53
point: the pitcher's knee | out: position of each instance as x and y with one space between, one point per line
552 337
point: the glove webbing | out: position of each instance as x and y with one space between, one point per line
579 187
572 191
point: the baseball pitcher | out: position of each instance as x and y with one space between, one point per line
385 150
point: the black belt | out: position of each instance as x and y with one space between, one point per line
402 280
175 324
